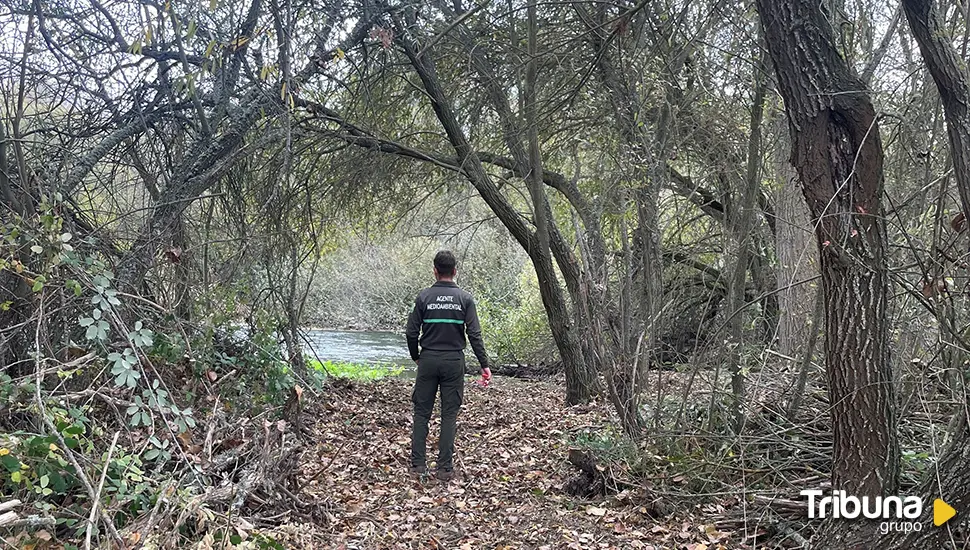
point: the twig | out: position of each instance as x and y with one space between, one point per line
332 460
216 412
9 505
228 375
97 500
42 409
29 521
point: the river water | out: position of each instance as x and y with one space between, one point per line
358 347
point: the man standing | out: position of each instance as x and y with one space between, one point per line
443 315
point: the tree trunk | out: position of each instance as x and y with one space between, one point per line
743 229
953 82
797 252
838 154
950 478
6 191
580 378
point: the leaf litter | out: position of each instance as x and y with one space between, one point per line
511 464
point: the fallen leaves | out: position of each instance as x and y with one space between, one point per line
511 461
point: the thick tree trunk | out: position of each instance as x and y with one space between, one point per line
797 254
953 82
838 154
950 478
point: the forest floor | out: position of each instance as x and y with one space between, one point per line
511 460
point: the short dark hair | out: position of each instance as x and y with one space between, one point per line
444 263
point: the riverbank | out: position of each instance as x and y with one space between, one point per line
511 456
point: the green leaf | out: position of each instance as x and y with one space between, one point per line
101 330
74 430
74 286
45 480
37 249
38 285
10 463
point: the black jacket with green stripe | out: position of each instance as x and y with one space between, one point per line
443 315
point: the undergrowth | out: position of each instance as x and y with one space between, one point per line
361 372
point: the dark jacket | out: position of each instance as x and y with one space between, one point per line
443 315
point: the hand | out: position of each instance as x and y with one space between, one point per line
486 377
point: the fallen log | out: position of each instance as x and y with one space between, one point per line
522 370
10 519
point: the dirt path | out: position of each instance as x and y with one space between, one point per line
512 445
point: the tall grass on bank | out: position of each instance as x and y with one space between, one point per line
363 372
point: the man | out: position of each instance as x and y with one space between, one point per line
443 315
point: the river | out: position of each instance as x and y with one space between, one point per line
358 347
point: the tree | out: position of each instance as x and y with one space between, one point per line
949 71
950 477
837 151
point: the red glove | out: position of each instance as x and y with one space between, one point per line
486 376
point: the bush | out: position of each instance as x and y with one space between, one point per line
517 330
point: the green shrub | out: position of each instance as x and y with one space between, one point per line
34 469
607 443
517 330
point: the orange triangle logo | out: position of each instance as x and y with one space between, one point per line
942 512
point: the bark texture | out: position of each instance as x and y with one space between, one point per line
797 255
949 73
837 151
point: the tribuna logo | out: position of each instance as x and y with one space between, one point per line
841 505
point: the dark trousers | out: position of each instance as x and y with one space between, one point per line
444 370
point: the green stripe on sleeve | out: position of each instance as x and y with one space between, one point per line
453 321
